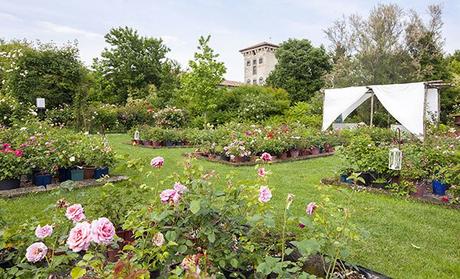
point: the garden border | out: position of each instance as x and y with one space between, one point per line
253 163
50 187
159 147
328 181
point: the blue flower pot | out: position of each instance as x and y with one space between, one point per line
344 178
439 188
64 174
42 179
100 172
76 174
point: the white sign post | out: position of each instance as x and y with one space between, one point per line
41 103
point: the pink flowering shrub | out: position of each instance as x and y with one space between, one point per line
157 162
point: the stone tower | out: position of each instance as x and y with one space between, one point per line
259 61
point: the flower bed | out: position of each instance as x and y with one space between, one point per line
434 162
44 153
191 230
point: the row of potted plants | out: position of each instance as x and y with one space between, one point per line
437 159
39 152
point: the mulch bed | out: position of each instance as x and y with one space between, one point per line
253 163
428 196
27 188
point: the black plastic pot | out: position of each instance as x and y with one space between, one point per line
42 179
63 174
9 184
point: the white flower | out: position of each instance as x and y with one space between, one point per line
72 159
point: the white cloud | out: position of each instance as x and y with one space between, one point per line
9 17
64 29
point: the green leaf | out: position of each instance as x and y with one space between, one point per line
195 206
170 235
307 246
77 272
212 237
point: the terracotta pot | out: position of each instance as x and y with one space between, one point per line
294 153
237 159
314 150
88 172
421 188
283 156
156 143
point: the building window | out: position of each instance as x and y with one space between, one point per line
261 80
254 81
248 63
254 62
248 81
254 70
261 60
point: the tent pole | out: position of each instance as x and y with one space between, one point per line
372 110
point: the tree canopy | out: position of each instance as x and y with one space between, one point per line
129 66
300 69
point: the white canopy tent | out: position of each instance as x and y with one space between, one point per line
410 103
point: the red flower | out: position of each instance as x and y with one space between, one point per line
18 153
445 199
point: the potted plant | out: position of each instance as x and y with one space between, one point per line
12 166
237 151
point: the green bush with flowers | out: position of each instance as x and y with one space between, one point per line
193 229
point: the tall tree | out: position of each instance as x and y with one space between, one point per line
129 66
54 73
200 85
300 69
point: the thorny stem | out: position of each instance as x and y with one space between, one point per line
283 235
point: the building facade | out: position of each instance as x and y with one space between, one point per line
259 61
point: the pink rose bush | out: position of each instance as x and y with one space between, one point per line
266 157
79 237
265 194
157 162
75 213
36 252
43 232
102 231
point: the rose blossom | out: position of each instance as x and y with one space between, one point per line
102 231
42 232
311 208
158 239
169 196
264 194
79 237
157 162
36 252
18 153
266 157
261 172
180 188
75 213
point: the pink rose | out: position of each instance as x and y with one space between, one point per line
180 188
42 232
79 237
264 194
102 231
261 172
18 153
170 196
157 162
311 208
266 157
36 252
158 239
75 213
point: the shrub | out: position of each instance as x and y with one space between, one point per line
61 116
170 117
103 117
135 112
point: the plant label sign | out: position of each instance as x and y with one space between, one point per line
41 103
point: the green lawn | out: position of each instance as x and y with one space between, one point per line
406 239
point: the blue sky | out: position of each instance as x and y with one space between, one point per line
233 24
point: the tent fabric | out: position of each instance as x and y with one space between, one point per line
337 101
406 102
432 105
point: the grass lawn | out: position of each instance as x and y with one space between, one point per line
406 239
